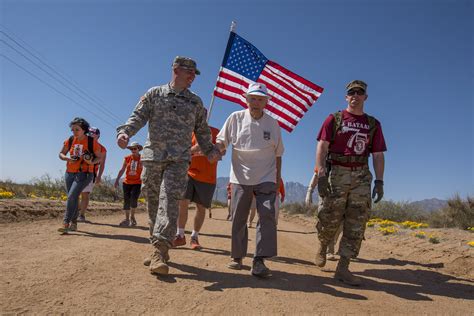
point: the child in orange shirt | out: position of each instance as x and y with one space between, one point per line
132 184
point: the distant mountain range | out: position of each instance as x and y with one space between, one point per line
430 205
296 192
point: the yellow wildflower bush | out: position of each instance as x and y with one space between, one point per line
63 197
471 229
141 200
471 243
33 196
413 225
387 223
6 195
420 234
387 230
370 224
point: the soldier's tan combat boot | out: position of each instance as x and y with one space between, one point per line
158 263
343 274
321 250
147 261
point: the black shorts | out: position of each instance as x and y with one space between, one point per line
131 193
199 192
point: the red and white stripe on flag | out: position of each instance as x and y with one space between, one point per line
291 95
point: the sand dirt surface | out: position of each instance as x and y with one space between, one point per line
99 270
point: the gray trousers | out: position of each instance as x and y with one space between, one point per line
266 236
163 185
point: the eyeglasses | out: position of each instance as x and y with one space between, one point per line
355 91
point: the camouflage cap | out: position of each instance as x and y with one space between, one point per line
356 84
187 63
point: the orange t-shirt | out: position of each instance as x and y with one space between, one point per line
201 169
78 148
103 151
134 170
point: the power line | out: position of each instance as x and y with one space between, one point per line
55 71
54 88
47 72
103 109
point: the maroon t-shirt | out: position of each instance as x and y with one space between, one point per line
352 139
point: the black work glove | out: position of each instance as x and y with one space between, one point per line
378 190
323 186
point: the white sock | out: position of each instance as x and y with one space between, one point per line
194 234
181 232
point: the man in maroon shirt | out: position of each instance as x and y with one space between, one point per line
342 174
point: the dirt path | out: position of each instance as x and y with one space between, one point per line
99 270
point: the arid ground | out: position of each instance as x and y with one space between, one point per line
99 269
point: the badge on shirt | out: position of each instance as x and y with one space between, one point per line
266 135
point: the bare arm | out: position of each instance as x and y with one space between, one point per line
63 154
101 167
120 174
379 165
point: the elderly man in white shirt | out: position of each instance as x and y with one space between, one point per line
257 148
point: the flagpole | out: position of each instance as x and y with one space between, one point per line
233 25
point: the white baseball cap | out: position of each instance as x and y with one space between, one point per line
257 88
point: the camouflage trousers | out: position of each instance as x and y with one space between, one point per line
348 204
163 185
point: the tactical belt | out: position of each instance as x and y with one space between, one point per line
338 158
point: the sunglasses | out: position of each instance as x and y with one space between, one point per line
355 91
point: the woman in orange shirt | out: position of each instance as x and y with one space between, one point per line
84 152
132 184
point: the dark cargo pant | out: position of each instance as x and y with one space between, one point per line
163 185
266 235
349 203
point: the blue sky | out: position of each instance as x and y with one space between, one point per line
416 57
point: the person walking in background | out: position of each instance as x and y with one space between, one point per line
173 113
84 151
202 176
132 184
345 141
94 132
257 148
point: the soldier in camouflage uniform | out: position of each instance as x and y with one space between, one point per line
173 113
345 141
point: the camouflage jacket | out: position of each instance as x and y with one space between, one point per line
172 117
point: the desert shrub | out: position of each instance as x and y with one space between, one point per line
46 186
398 211
300 208
216 203
106 192
458 213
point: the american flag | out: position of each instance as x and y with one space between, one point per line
291 95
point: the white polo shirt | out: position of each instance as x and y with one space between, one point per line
255 146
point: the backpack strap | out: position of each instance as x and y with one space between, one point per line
372 129
336 125
69 143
